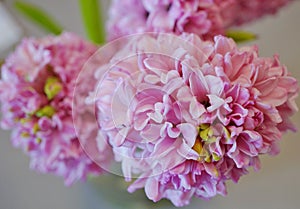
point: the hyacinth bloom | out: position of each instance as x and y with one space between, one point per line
36 91
186 115
205 18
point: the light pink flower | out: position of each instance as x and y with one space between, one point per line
36 91
186 115
205 18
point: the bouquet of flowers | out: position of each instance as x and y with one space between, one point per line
170 98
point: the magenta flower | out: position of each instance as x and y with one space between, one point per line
186 115
205 18
36 91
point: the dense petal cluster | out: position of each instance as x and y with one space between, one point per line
36 91
185 115
205 18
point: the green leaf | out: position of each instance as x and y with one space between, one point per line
240 36
39 17
92 20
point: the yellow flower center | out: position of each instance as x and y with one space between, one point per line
52 87
47 111
201 145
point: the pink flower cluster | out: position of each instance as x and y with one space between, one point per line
36 91
183 111
186 115
205 18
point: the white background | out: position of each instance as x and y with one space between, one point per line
276 186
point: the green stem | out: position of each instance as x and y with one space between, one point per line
92 20
39 17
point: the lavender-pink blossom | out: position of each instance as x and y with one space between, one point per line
187 115
205 18
36 91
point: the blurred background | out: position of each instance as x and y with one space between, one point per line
276 186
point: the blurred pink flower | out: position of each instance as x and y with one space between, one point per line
205 18
186 115
251 10
36 91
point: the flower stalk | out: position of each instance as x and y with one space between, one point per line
92 20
